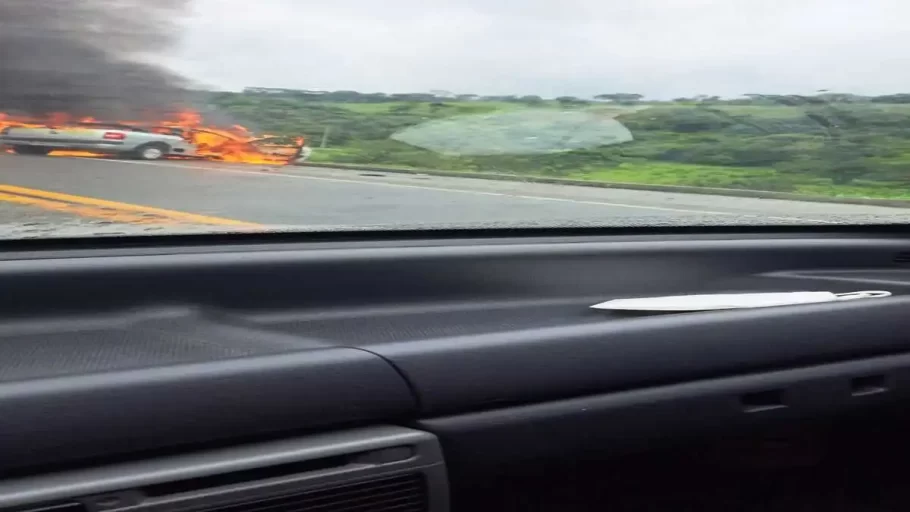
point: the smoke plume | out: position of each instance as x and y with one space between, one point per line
88 57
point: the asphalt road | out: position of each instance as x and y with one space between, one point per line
192 193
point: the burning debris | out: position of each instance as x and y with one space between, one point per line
71 65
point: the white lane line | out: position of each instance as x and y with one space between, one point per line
475 192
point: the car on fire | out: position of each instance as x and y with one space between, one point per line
114 139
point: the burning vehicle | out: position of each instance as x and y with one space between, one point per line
184 136
79 79
72 83
120 140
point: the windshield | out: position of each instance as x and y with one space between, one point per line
185 116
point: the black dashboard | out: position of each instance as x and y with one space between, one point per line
196 377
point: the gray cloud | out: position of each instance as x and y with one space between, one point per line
661 48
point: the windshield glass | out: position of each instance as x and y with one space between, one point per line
185 116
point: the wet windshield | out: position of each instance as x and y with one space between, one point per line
177 116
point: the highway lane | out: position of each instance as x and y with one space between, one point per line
242 195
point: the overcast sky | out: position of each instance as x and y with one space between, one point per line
660 48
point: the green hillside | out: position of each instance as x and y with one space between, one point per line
853 147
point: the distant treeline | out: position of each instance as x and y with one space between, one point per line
621 98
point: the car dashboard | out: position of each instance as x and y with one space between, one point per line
433 374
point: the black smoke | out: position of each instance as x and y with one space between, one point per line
89 57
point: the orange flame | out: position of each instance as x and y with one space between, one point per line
232 144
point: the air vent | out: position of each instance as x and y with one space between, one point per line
902 257
225 479
398 494
373 469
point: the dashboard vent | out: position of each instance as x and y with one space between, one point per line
370 469
398 494
236 477
902 257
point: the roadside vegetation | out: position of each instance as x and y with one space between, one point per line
825 144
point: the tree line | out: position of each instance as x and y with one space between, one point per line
618 97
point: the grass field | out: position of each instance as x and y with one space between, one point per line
658 173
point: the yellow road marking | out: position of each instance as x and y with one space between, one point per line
110 210
82 210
